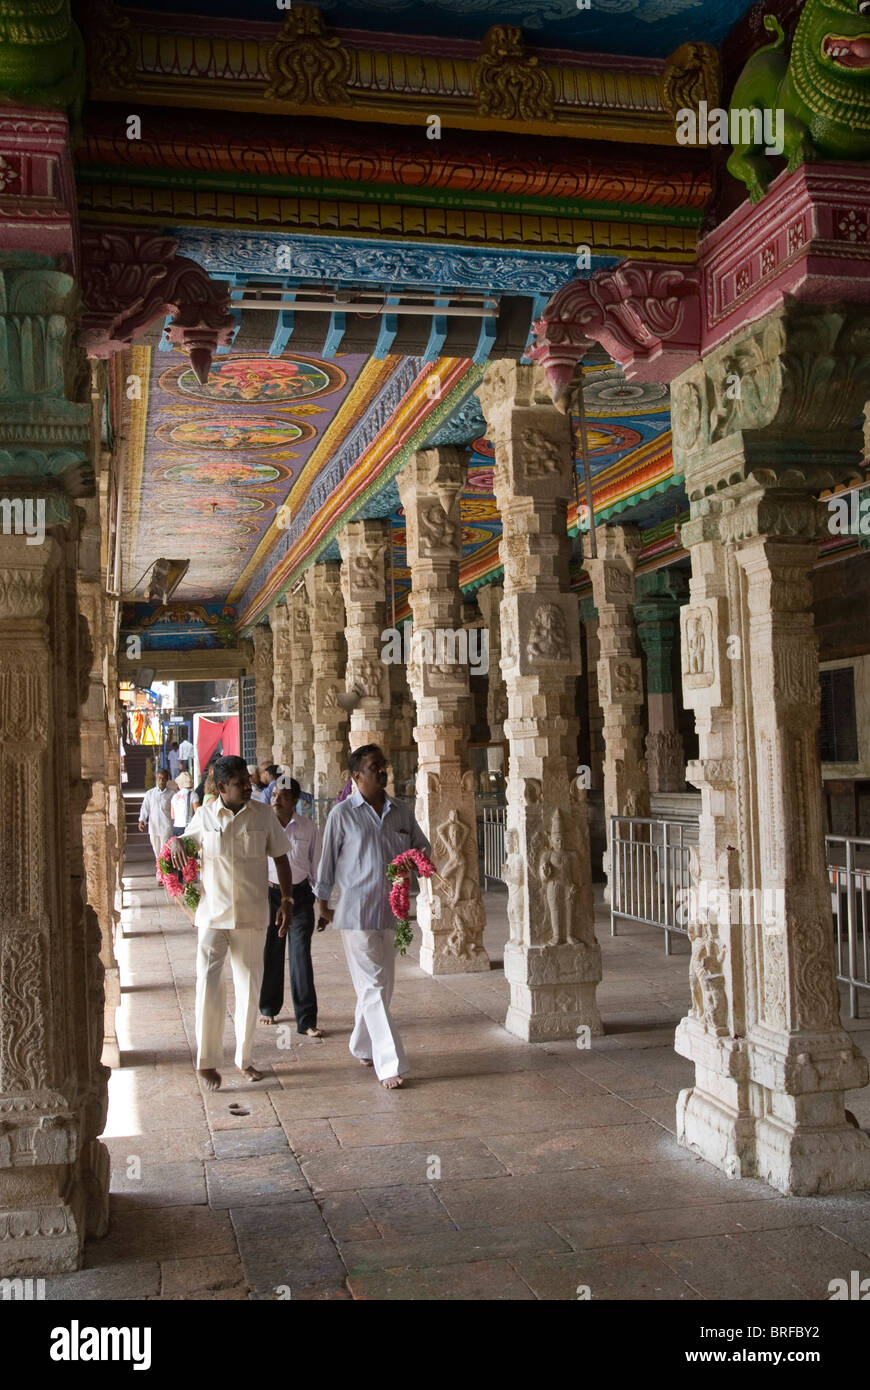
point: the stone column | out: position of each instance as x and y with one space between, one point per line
262 642
450 914
552 960
282 686
589 619
401 706
303 724
363 545
326 612
620 674
659 598
772 1060
101 850
489 598
54 1173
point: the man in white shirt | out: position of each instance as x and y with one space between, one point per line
155 813
363 835
303 837
173 759
236 836
185 753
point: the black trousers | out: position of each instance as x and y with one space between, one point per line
301 969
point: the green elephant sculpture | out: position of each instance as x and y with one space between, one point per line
823 90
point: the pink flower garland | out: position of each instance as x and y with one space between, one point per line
399 873
183 887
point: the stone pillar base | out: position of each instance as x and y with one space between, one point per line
808 1162
439 960
552 990
41 1231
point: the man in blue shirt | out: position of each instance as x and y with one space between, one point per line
363 834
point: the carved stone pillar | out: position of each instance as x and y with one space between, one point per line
53 1170
401 707
262 641
620 674
450 914
659 598
98 830
552 960
772 1061
326 611
363 545
589 619
282 685
303 724
489 598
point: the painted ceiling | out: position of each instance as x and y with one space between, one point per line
219 460
638 27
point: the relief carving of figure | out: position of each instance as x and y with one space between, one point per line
437 531
558 870
512 875
697 644
364 573
548 639
454 836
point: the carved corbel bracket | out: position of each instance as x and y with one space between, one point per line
646 317
129 279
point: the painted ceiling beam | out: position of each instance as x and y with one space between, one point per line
302 67
283 332
337 326
437 333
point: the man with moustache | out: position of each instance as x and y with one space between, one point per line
363 834
237 836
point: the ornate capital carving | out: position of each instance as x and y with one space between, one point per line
306 66
647 317
786 396
509 82
129 279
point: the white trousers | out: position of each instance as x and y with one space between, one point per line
245 945
157 838
371 959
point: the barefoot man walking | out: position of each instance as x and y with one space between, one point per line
363 835
237 835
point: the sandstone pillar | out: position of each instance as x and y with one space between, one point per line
772 1060
363 545
589 619
262 640
620 674
659 598
53 1169
281 620
303 725
450 914
552 960
326 613
489 598
101 850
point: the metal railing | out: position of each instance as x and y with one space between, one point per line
493 825
649 872
848 860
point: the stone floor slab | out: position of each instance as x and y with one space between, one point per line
483 1281
238 1182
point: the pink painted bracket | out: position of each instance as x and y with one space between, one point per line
130 278
808 239
646 315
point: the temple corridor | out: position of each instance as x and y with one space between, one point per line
558 1167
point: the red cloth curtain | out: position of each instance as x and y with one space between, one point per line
211 732
208 736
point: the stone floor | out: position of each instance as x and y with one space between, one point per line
502 1170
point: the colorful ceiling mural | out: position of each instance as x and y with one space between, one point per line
217 462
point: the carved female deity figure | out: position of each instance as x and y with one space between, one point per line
512 875
454 836
558 869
